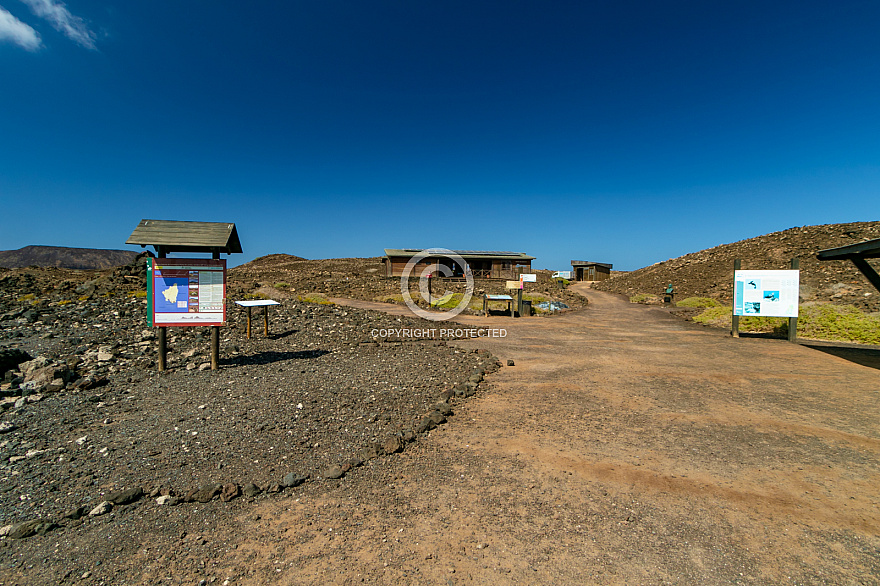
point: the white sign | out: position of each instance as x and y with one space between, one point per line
768 293
527 278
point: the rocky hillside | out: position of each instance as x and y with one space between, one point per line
709 273
65 258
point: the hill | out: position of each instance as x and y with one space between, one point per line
709 273
65 258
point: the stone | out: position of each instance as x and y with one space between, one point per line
392 445
293 479
369 453
205 366
204 494
511 363
29 528
103 508
56 385
229 492
7 426
167 500
333 472
125 497
444 408
10 358
251 490
75 513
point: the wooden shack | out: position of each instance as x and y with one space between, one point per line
583 270
483 264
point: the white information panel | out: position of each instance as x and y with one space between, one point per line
768 293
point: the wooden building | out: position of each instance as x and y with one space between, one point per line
583 270
483 264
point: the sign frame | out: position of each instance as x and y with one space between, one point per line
202 279
766 293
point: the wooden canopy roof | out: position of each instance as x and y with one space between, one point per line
175 236
857 253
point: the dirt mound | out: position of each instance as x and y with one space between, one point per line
65 258
709 273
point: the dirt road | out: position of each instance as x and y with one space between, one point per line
624 447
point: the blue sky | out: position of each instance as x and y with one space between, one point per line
623 131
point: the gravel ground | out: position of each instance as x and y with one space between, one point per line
90 421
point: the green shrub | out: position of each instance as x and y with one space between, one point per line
844 323
28 297
318 298
644 298
136 294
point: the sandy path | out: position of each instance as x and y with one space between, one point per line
624 447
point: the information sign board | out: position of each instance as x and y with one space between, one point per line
514 285
768 293
186 292
528 278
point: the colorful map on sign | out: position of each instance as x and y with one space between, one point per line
171 295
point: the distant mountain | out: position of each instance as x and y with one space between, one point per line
65 258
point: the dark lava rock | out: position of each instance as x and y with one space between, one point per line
510 363
125 497
204 494
251 490
293 479
28 528
12 357
444 408
76 513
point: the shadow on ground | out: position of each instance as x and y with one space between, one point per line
269 357
869 357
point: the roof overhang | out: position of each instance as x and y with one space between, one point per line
858 254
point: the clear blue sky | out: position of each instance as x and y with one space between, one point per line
622 131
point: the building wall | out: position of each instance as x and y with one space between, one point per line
395 265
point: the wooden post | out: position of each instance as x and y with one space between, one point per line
734 320
519 301
215 330
485 306
266 321
249 322
163 331
215 347
792 321
163 349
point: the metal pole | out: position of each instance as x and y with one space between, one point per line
734 321
792 321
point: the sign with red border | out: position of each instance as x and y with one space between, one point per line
186 292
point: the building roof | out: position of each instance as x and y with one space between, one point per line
587 263
465 254
867 249
176 236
